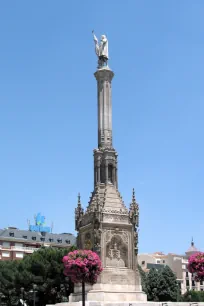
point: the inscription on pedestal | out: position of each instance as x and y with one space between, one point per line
119 279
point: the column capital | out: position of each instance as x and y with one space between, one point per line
104 74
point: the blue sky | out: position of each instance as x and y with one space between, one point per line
48 115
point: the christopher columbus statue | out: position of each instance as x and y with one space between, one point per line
101 50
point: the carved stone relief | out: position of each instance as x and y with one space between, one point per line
109 233
115 218
87 241
97 236
116 252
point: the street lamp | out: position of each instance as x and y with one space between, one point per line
22 293
0 294
34 292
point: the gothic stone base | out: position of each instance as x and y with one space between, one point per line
108 293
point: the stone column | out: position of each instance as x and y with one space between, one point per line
106 172
95 175
113 174
99 174
104 77
116 176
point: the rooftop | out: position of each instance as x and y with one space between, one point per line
192 249
15 234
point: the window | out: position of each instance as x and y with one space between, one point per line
33 238
42 238
11 234
143 262
201 283
59 240
6 244
163 261
158 261
25 237
187 283
201 289
19 255
110 173
67 241
5 254
193 283
50 239
18 245
186 274
102 174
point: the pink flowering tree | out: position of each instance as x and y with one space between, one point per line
196 265
82 266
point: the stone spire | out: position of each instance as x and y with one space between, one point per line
134 219
134 210
192 249
78 213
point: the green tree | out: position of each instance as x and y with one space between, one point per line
143 278
167 285
161 285
193 296
152 282
44 268
8 270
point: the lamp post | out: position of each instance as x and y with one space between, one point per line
9 296
22 293
0 298
34 292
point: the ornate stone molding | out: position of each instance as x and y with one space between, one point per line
110 233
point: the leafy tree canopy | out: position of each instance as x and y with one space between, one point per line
160 285
44 268
193 296
152 285
168 286
143 278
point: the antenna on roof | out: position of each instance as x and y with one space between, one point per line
35 218
52 225
28 222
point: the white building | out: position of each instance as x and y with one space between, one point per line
177 263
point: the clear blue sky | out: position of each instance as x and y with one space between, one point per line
48 117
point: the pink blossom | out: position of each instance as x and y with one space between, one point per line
82 265
196 265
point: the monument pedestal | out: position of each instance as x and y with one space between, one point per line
114 285
109 294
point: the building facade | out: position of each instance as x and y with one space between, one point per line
15 243
177 263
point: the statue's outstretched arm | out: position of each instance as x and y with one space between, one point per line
95 38
96 44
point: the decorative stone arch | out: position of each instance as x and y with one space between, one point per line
116 252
